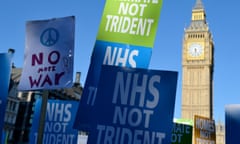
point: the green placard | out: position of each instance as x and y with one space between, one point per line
184 121
181 134
132 22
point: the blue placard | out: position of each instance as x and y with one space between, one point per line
108 53
4 137
133 106
58 124
115 54
5 68
232 120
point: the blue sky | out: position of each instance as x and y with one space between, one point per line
222 16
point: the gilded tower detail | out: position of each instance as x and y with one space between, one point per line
197 66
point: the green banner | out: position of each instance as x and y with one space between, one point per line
184 121
132 22
181 134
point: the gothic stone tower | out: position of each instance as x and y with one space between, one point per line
197 66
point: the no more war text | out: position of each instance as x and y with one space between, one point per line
46 63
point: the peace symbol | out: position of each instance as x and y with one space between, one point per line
49 37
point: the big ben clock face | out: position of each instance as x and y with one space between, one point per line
195 51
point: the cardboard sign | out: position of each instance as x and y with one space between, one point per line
204 130
58 124
133 106
181 134
232 120
5 70
130 22
125 38
48 61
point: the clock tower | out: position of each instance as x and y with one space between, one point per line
197 66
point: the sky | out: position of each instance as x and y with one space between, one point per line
222 17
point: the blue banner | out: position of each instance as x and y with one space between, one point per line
5 70
121 41
232 121
115 54
4 138
132 106
58 124
49 54
107 53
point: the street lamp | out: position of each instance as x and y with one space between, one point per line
11 51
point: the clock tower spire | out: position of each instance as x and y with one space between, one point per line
197 66
199 5
198 17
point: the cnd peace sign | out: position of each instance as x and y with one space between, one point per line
49 37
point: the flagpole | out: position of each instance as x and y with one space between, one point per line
42 117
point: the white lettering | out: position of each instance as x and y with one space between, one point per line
131 9
119 56
59 112
131 116
56 138
141 1
129 25
130 84
110 135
